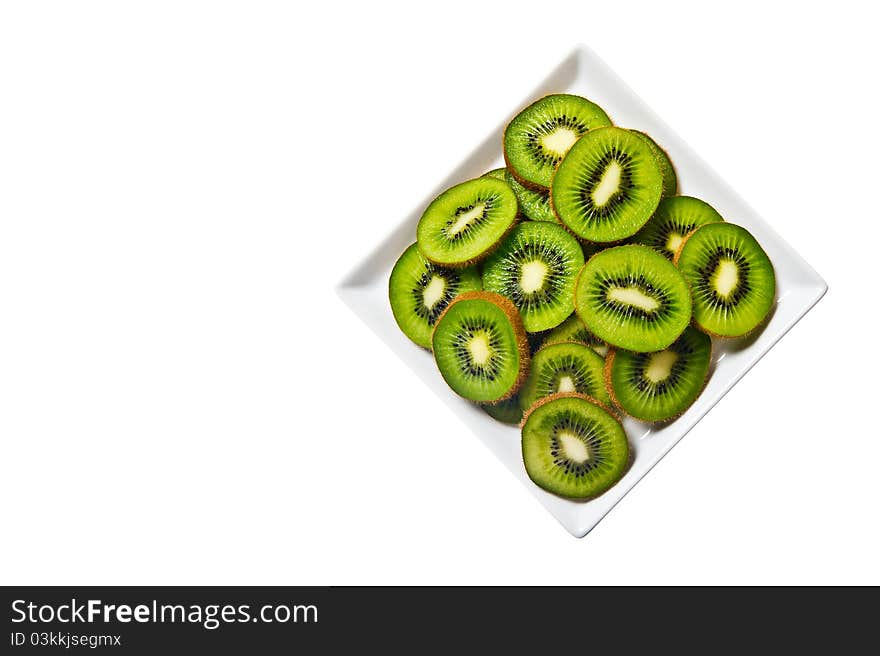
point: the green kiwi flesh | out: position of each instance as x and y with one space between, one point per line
659 386
564 367
465 222
572 446
536 266
480 347
607 186
731 278
633 298
537 139
670 179
676 217
574 330
420 291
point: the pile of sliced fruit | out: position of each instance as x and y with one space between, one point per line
574 285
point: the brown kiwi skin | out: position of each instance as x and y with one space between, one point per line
519 330
677 255
562 395
609 363
694 323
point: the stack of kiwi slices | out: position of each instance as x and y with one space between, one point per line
574 287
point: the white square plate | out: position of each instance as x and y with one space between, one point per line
799 287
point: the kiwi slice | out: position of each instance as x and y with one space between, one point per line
498 174
536 266
419 291
535 205
670 179
537 139
660 386
608 185
507 411
465 222
574 330
731 278
564 367
573 446
633 298
480 347
676 217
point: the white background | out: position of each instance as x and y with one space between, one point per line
184 399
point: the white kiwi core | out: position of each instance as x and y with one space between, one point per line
609 184
464 219
559 140
532 276
434 291
660 366
726 277
633 296
566 384
573 447
479 349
